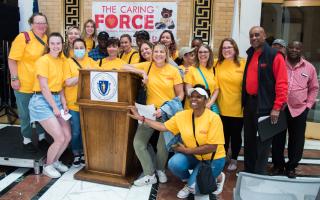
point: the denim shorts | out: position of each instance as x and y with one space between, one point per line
40 109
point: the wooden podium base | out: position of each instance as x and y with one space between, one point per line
105 178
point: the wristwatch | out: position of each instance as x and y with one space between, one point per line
14 78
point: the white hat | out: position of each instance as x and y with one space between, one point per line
185 50
199 90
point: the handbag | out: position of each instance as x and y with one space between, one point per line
205 180
214 107
142 91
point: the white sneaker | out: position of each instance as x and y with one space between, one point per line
185 192
50 171
76 161
60 167
220 184
162 176
232 165
145 180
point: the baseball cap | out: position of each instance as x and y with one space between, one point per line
199 90
103 35
280 41
185 50
142 34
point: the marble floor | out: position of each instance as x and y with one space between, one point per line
23 184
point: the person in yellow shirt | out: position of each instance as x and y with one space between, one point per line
89 34
202 136
163 83
229 73
71 74
112 62
26 48
167 38
73 33
203 74
145 51
186 59
128 54
48 104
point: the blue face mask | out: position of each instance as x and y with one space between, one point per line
79 53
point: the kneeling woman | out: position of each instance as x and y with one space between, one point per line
47 102
196 125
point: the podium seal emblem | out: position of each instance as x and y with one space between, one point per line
104 86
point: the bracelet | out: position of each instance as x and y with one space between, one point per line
14 78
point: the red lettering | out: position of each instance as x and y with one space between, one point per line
134 21
148 21
111 21
124 21
98 19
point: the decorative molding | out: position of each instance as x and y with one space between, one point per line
202 19
71 13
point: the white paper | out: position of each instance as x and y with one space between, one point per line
65 116
146 110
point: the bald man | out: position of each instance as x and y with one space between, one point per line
264 92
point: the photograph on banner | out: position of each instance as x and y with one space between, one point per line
128 17
104 86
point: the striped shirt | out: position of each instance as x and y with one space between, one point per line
303 86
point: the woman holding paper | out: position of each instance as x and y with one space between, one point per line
202 135
48 104
80 60
163 83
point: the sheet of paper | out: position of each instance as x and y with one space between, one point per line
260 119
65 116
146 110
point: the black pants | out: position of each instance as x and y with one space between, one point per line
296 131
255 152
232 127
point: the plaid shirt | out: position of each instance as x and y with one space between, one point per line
96 54
303 86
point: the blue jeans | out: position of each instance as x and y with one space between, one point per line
179 165
76 139
22 101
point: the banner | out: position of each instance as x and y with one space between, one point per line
119 18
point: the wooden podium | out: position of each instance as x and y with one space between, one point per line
108 132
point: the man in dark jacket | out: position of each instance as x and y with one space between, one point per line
264 91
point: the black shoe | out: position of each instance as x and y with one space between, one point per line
291 173
276 171
30 148
43 145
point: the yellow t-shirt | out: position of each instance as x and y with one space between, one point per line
71 70
208 129
135 57
161 82
194 77
89 43
114 64
184 69
26 56
52 69
229 76
175 55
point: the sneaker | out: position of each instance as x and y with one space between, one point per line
185 192
60 166
145 180
30 148
232 165
82 160
220 184
162 176
50 171
76 161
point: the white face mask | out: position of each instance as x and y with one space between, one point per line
79 53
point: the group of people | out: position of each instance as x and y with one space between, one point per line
218 98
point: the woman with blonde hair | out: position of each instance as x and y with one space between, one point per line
89 34
73 33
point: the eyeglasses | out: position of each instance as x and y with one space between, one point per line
40 23
226 48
